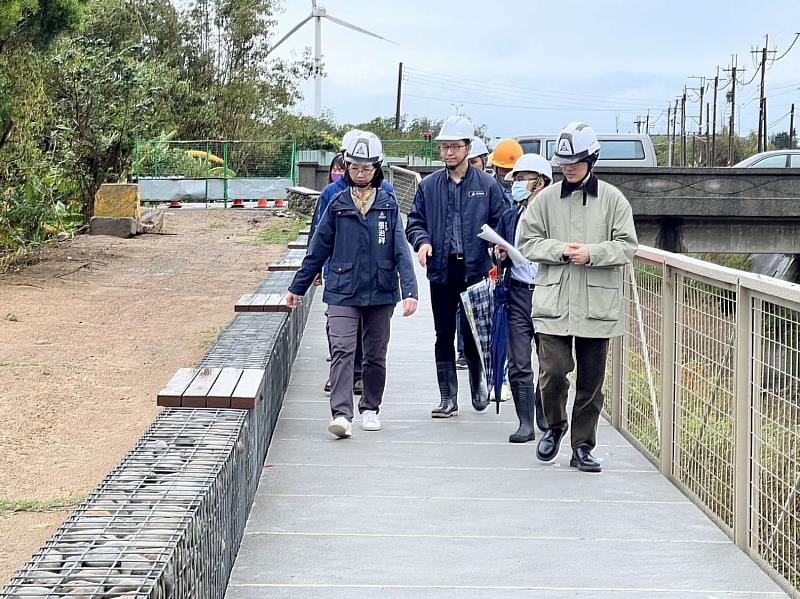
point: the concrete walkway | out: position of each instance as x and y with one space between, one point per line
450 509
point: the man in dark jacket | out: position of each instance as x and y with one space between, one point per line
361 233
449 209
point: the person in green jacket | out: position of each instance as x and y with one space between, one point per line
581 233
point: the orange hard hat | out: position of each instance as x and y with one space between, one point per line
506 153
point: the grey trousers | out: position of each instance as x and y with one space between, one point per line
343 325
520 336
555 362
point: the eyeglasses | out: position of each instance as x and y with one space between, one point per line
445 148
361 170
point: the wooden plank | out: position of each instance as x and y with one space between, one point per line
248 389
243 302
219 396
278 304
305 231
259 301
284 266
170 396
195 394
298 245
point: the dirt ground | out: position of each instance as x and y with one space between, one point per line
89 333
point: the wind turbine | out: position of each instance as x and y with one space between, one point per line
318 13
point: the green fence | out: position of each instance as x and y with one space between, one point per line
210 159
403 149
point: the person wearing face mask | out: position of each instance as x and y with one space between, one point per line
530 175
336 184
505 156
361 232
450 207
581 233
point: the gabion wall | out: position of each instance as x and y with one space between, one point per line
166 523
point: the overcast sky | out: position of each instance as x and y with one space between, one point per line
530 67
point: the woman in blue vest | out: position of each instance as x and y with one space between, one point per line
361 232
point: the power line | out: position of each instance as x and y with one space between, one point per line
529 107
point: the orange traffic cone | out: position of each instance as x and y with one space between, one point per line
262 203
238 203
279 203
175 204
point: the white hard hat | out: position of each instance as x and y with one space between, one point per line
531 163
366 148
455 128
576 142
478 148
348 137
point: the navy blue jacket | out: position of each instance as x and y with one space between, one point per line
331 189
507 229
482 202
367 253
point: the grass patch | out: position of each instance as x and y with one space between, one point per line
208 336
13 506
219 226
281 231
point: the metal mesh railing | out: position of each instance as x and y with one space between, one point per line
405 183
707 381
213 159
409 151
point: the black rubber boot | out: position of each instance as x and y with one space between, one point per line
477 386
548 447
541 420
523 402
448 390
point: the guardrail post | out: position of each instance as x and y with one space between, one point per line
668 353
616 382
743 421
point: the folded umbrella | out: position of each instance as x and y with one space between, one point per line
477 302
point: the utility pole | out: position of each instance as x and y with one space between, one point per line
683 127
762 105
791 128
647 124
714 122
731 127
674 130
708 132
399 94
669 139
638 123
766 139
701 90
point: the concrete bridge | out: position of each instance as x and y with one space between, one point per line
693 210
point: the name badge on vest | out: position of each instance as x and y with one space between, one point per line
476 194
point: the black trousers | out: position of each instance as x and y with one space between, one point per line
345 323
445 299
555 362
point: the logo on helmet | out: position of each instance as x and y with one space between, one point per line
565 146
361 149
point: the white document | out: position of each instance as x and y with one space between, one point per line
490 235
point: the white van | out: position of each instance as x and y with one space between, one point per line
616 149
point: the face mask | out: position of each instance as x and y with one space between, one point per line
336 176
519 191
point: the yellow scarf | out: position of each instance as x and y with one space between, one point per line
361 197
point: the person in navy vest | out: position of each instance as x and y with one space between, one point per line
530 175
450 207
361 233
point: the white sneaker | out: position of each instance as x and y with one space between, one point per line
341 427
370 421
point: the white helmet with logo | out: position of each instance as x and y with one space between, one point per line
531 163
478 148
365 148
576 143
456 128
348 137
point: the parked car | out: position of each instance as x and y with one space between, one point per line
772 159
616 149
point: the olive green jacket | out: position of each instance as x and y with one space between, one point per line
579 300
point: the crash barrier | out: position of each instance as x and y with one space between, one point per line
405 183
167 521
214 170
706 382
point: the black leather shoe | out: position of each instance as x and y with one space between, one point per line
477 386
327 386
358 387
541 421
548 447
523 402
448 390
582 460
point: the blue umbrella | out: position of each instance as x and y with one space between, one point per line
499 346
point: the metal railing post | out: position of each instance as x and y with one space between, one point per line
616 382
668 300
225 173
743 420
